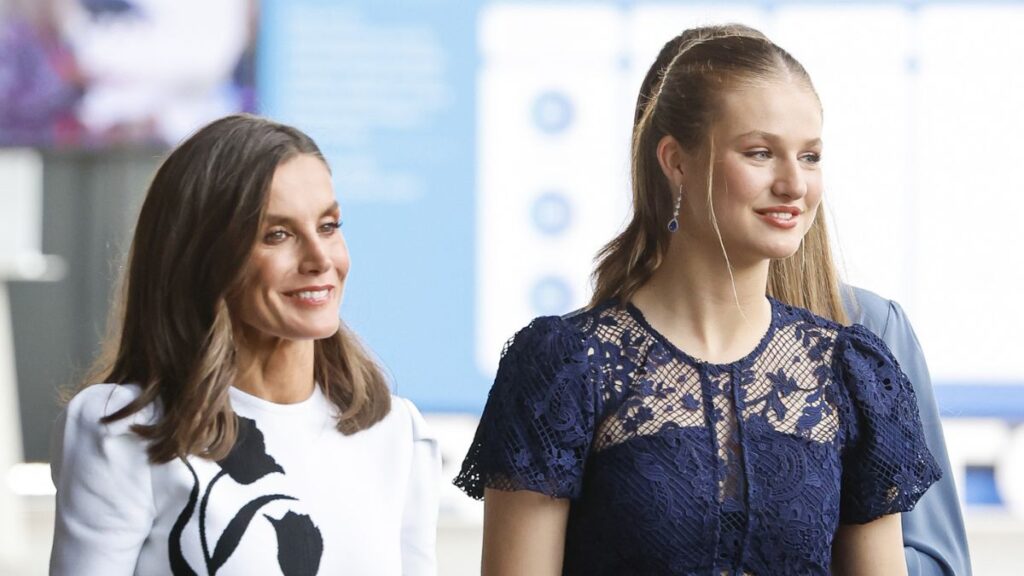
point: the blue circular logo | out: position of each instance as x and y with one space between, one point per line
552 112
551 295
551 213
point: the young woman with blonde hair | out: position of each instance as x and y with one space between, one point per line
934 537
688 422
241 428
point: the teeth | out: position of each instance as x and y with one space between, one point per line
781 215
312 294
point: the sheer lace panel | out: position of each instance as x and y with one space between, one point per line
787 383
655 390
790 383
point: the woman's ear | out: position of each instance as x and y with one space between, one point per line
672 158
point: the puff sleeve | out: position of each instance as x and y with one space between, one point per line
886 463
419 518
538 422
105 507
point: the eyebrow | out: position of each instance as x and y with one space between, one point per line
273 219
775 137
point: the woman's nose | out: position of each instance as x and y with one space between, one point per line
315 259
790 181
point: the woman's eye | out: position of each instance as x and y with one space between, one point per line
759 154
811 158
330 227
275 237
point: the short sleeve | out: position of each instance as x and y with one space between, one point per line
886 463
104 507
538 422
419 517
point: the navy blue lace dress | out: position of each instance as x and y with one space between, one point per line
678 466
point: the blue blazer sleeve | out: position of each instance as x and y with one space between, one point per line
934 539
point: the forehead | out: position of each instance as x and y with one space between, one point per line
784 108
300 184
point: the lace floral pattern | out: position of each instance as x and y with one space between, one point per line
677 466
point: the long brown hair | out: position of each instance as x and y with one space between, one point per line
170 330
678 97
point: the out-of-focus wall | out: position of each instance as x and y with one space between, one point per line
89 205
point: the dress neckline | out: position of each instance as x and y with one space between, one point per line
253 402
746 359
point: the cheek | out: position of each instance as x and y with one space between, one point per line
812 201
812 214
815 191
739 185
342 262
248 304
265 274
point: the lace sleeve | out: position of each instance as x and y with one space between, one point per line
886 463
537 425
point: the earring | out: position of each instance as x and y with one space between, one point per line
673 224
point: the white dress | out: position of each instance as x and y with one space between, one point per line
294 497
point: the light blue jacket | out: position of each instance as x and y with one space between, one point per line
933 532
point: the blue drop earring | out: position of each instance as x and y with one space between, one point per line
673 224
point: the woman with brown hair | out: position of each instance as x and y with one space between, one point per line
688 421
241 427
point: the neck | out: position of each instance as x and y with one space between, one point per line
694 301
279 371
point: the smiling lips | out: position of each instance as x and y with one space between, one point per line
311 295
780 216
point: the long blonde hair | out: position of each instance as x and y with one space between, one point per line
678 98
170 330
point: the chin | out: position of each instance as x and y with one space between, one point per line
326 332
783 253
313 332
781 250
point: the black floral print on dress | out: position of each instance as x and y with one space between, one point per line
300 544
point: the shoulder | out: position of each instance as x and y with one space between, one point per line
581 318
852 345
400 435
404 438
407 417
789 314
571 328
79 433
569 325
884 319
872 311
95 402
547 338
866 362
870 324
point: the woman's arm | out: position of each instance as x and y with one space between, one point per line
872 549
524 533
531 446
105 504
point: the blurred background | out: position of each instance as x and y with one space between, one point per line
480 155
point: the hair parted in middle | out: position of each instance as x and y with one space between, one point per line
680 97
171 331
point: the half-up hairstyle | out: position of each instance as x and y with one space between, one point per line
170 330
679 97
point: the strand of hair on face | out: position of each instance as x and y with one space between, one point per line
714 224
